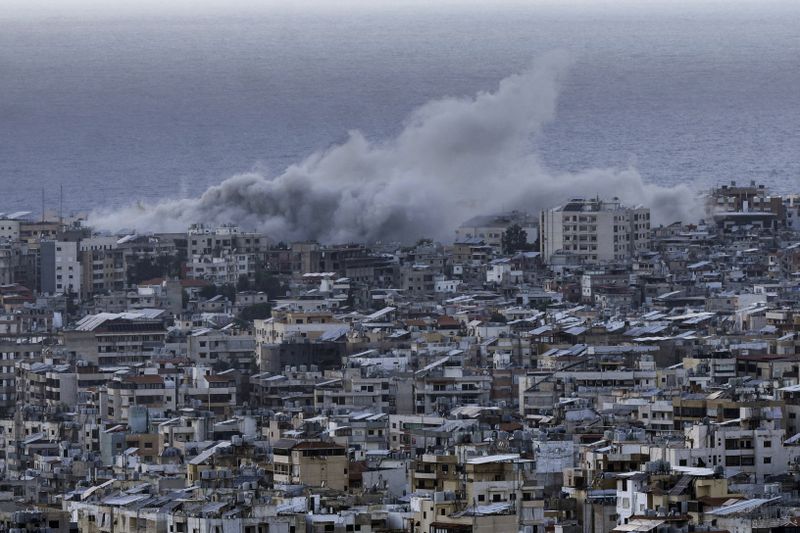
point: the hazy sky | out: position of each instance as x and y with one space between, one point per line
155 8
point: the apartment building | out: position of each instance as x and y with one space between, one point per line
209 346
46 385
117 338
490 228
223 254
594 231
298 326
103 267
356 393
11 355
9 229
312 463
147 390
450 387
60 268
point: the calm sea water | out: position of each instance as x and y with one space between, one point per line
139 108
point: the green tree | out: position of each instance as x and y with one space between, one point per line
514 239
209 291
243 284
256 312
162 266
227 290
269 284
497 317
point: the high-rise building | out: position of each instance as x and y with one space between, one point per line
60 267
596 231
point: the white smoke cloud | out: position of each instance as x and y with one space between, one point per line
454 158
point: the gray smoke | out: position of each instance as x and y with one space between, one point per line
454 158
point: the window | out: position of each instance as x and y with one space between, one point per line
767 460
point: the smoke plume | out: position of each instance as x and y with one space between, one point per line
453 159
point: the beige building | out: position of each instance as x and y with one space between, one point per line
312 463
596 231
103 267
490 228
286 326
116 338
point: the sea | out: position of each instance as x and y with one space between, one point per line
119 108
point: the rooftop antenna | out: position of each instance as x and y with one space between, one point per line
42 204
61 205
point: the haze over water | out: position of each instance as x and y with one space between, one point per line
120 109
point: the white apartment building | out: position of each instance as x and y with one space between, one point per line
296 327
596 231
224 254
490 228
221 270
224 240
791 204
60 268
9 229
756 450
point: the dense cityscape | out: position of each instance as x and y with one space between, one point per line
574 370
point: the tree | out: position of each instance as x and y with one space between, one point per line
269 284
514 239
72 306
162 266
208 291
228 291
243 284
256 312
498 318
